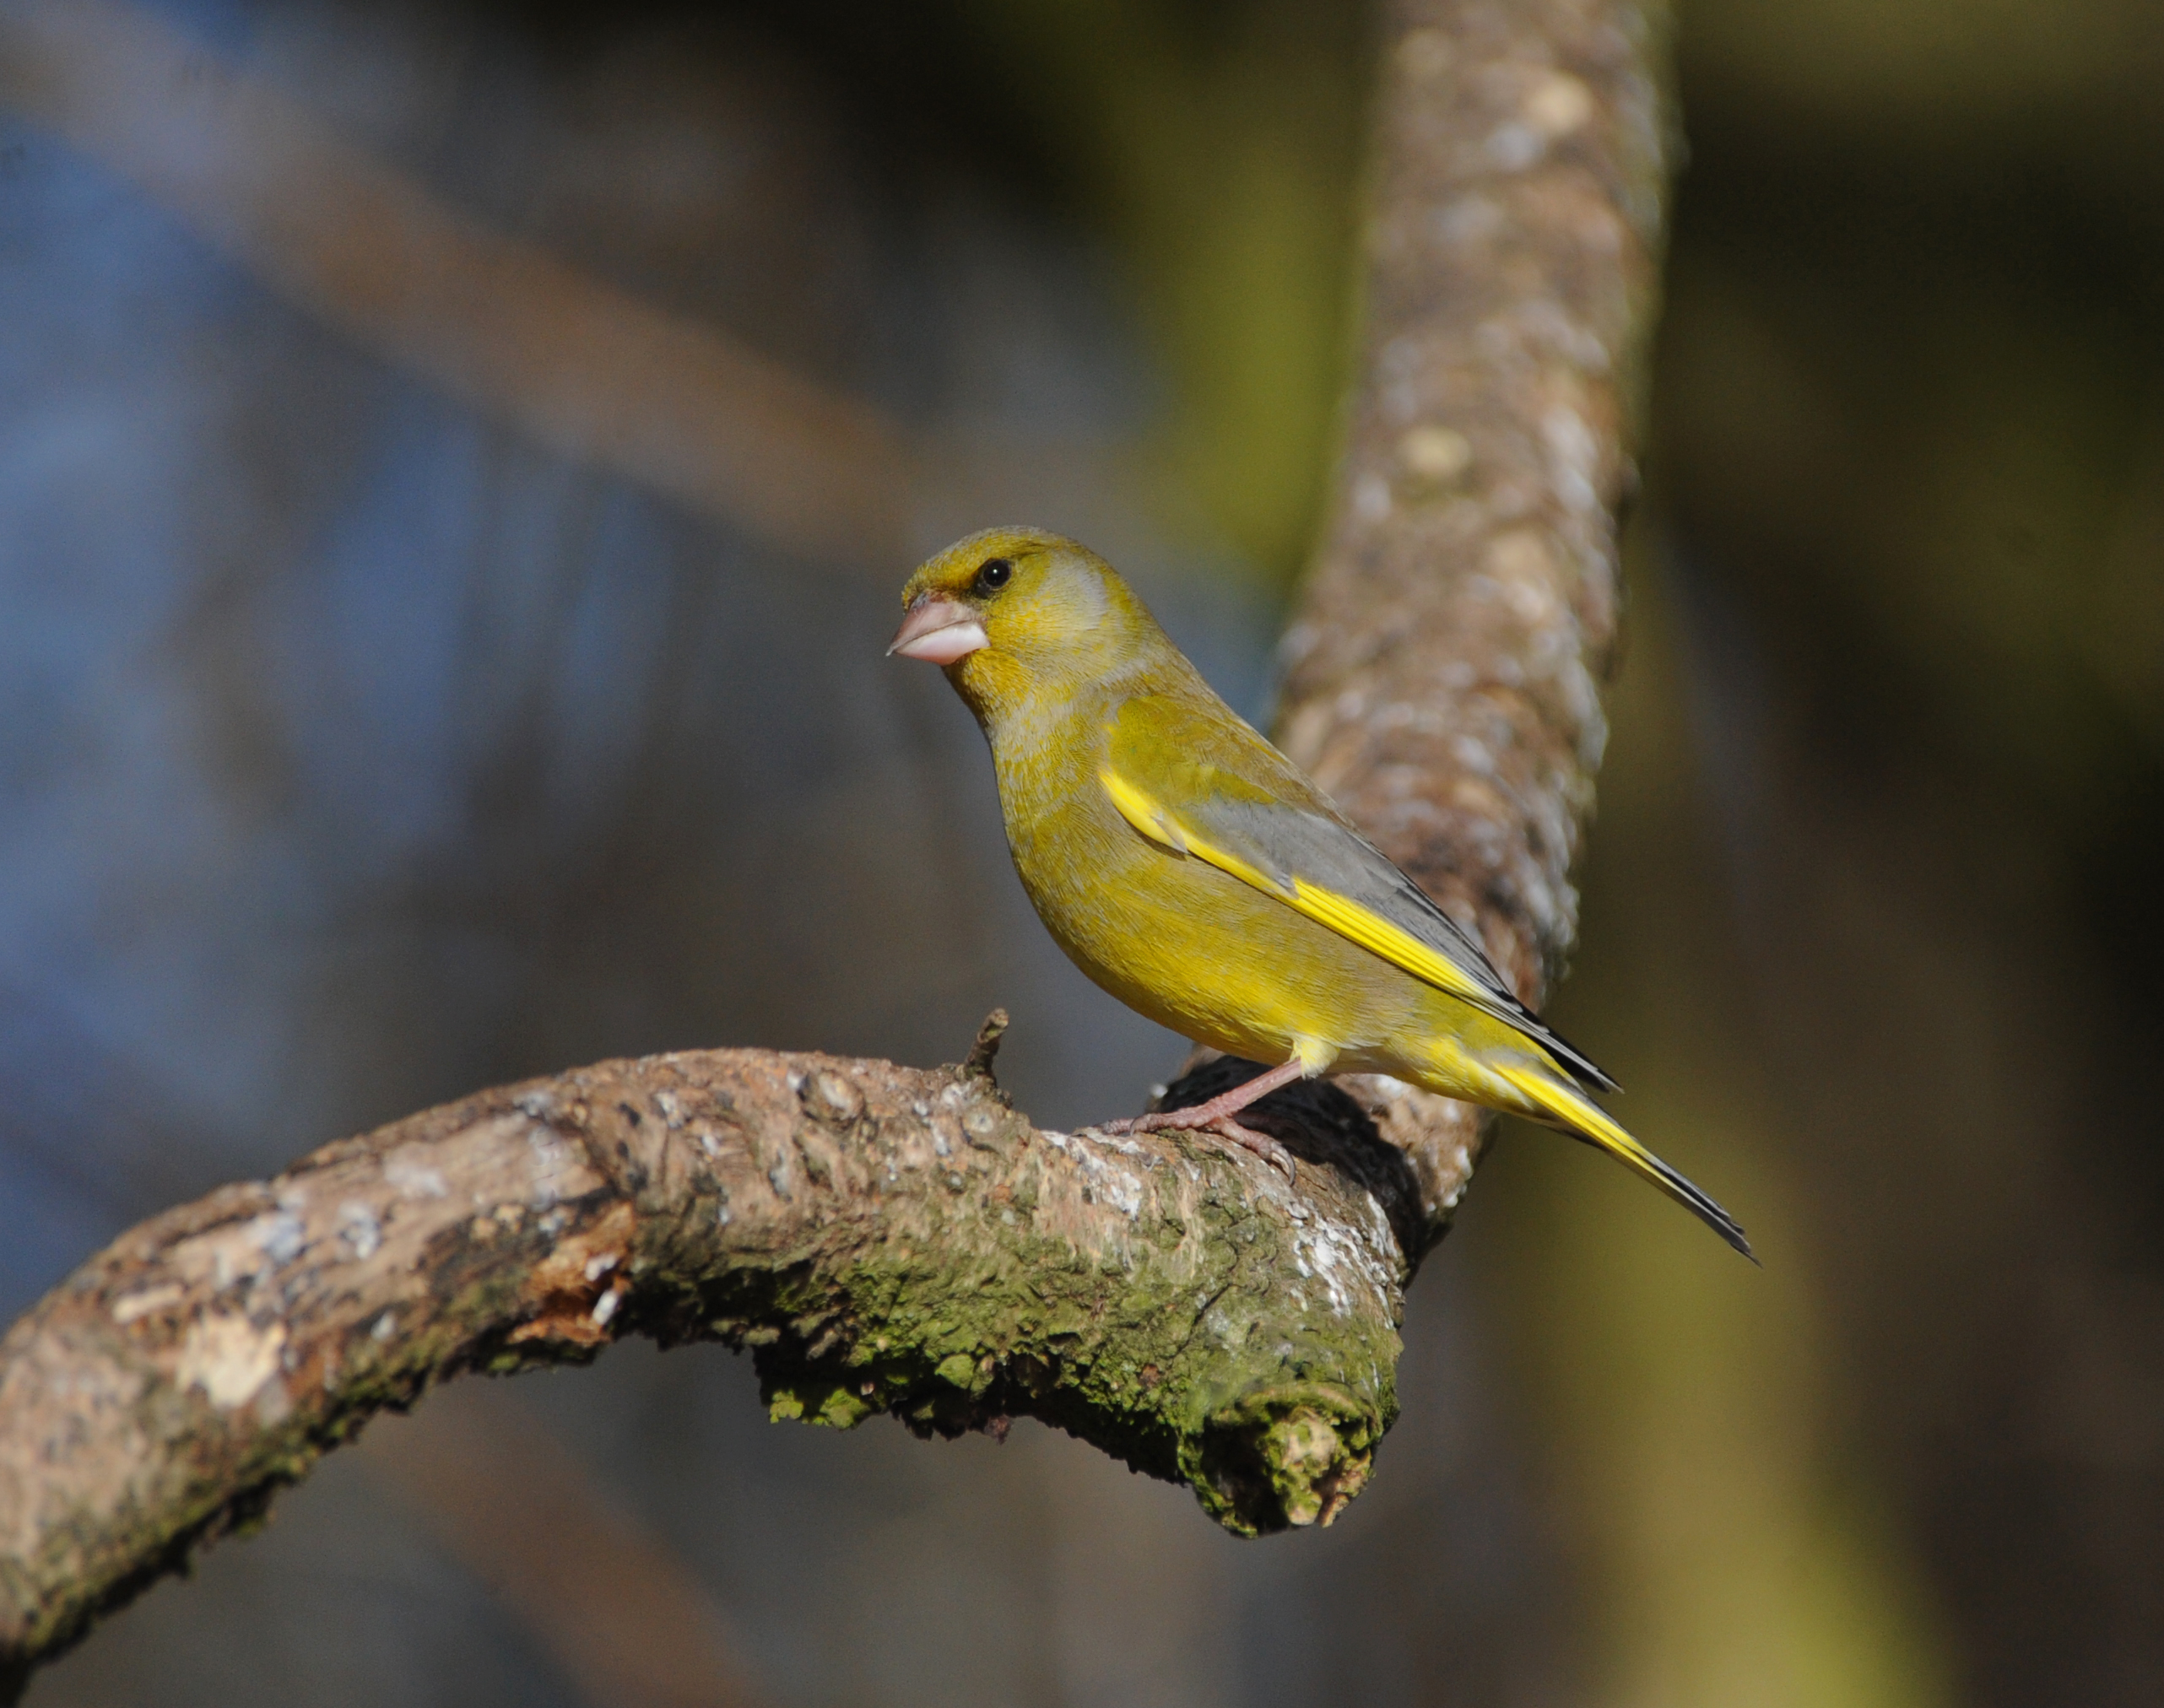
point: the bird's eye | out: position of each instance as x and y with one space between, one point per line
993 574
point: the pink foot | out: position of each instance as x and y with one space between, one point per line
1203 1119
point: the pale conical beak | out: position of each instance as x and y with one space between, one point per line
938 631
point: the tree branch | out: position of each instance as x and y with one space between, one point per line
882 1238
1445 666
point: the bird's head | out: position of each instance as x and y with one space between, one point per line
1013 613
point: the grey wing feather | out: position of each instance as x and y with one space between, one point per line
1282 841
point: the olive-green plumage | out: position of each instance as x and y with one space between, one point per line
1192 871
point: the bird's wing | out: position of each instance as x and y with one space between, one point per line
1199 781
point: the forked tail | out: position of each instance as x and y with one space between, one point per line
1581 1117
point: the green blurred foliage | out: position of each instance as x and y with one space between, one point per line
1943 72
1733 1545
1218 146
1872 910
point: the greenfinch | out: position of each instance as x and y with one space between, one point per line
1193 872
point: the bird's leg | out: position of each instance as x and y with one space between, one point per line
1217 1115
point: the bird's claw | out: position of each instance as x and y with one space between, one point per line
1223 1126
1263 1146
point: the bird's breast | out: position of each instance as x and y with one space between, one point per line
1176 939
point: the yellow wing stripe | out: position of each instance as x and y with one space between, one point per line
1395 944
1158 826
1141 812
1348 919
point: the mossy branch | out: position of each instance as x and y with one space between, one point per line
884 1239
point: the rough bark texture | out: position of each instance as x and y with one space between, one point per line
882 1238
1444 671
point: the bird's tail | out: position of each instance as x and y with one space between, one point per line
1563 1104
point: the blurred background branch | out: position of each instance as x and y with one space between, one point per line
510 327
499 324
618 1607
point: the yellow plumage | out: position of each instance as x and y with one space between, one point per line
1193 872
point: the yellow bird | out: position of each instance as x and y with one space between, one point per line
1192 871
